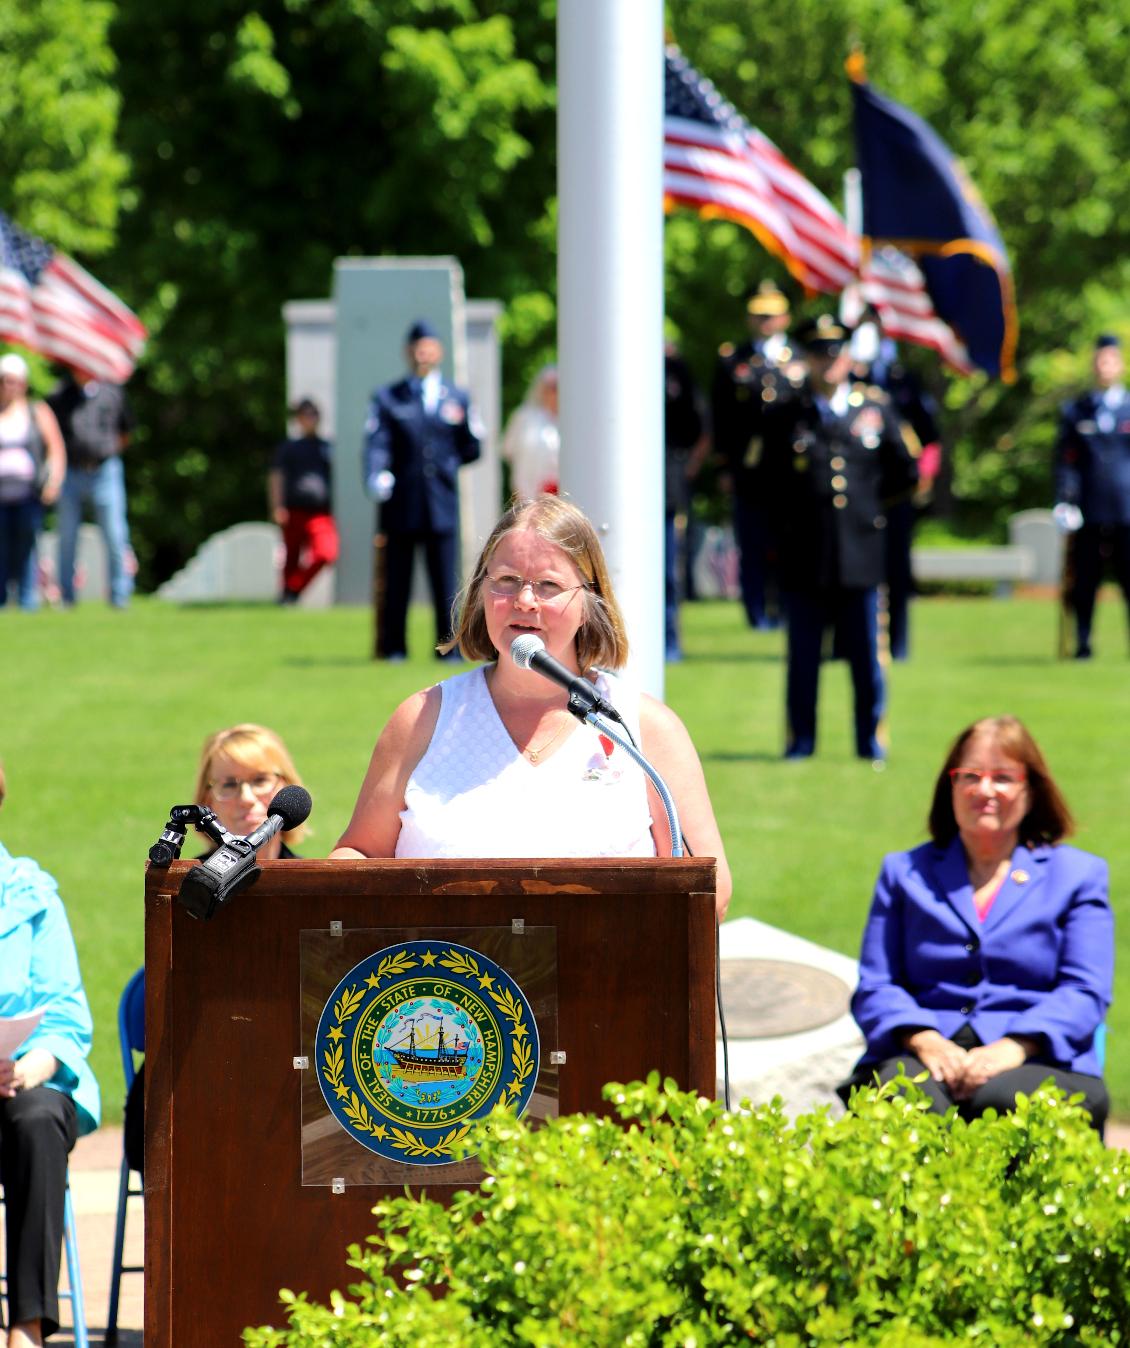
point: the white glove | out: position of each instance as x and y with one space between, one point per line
380 486
1068 518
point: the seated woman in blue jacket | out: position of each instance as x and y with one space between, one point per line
989 951
48 1095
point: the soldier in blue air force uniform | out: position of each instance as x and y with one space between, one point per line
1092 485
751 377
834 457
420 431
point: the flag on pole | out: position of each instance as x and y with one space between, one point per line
917 197
717 163
49 304
896 289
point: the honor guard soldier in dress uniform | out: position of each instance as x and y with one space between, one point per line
686 440
420 431
749 378
875 360
1092 486
834 457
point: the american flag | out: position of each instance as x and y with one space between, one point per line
716 162
50 304
895 287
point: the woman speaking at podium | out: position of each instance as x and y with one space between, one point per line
491 763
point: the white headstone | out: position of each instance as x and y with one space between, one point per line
241 563
1036 531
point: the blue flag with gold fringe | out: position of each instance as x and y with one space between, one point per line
917 196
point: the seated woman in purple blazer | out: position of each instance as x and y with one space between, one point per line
988 953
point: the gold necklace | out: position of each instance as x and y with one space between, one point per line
534 754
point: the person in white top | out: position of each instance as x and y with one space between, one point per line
531 443
492 763
33 464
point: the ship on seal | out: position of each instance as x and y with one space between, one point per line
417 1063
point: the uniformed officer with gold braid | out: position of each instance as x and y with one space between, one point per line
833 457
749 378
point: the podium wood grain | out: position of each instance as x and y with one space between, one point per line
227 1219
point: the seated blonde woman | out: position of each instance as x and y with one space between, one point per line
241 771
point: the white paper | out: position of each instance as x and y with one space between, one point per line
15 1029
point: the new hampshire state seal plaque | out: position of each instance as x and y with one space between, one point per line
417 1042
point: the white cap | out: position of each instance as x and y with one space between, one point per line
13 365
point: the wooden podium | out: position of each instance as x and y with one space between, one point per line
241 1172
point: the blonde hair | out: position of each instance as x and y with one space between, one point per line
255 748
601 640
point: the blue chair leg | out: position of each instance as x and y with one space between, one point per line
119 1254
74 1272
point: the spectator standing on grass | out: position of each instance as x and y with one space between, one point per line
298 490
531 443
33 464
1092 485
96 421
48 1094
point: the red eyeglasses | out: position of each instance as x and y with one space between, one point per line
1003 780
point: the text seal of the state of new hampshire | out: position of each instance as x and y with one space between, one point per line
417 1042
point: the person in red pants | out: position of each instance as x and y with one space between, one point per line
298 489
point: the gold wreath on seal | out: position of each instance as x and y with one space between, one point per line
357 1111
521 1055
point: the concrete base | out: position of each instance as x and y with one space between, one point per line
803 1069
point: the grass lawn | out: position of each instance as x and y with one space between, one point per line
104 714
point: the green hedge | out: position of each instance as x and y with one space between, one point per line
691 1227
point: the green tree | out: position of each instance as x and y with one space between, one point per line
59 160
267 143
62 170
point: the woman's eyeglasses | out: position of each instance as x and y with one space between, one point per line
509 586
1003 779
262 784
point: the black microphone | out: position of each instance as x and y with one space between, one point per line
528 652
233 867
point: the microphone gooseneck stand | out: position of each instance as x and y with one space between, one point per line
623 737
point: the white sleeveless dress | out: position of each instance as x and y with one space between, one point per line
474 795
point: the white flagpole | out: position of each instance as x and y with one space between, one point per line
610 296
851 297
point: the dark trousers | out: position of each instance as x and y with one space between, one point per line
757 568
897 540
853 614
37 1131
19 526
997 1093
671 585
1095 547
400 553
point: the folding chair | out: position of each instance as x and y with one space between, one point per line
131 1038
73 1292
